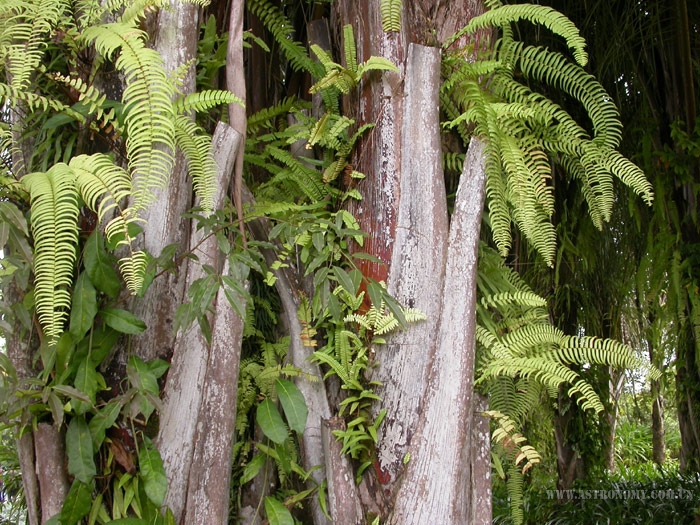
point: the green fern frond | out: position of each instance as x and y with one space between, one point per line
307 179
282 29
9 94
390 11
102 184
537 14
195 143
54 221
265 118
349 48
133 269
149 116
205 100
25 35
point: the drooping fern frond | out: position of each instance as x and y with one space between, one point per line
25 34
521 356
195 143
54 221
148 110
525 132
505 15
390 11
282 30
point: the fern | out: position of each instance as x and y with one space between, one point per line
196 145
390 11
148 110
525 131
54 222
282 29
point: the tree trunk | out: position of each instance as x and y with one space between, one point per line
423 472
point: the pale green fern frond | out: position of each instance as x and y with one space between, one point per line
196 145
553 20
205 100
54 221
390 11
148 110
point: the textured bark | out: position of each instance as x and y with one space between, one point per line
344 503
50 469
379 151
418 259
210 479
658 434
436 487
480 463
193 383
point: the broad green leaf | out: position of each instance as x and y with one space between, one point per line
88 381
344 279
83 307
252 468
103 420
81 463
141 376
122 321
270 421
158 367
293 404
155 483
77 504
277 513
129 521
100 267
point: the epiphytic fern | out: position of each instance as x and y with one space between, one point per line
521 357
390 11
153 127
526 131
54 201
149 115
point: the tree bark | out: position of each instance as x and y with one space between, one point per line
50 469
437 484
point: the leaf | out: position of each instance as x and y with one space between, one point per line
270 421
103 420
129 521
277 513
152 472
344 280
99 266
80 452
293 404
252 468
84 307
123 321
88 381
77 504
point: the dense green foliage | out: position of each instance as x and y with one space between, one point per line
71 306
